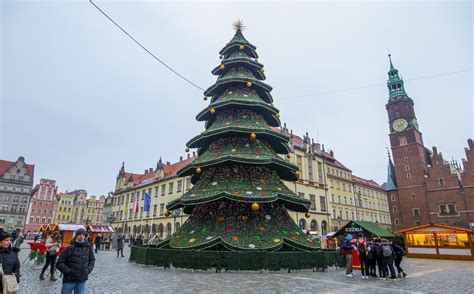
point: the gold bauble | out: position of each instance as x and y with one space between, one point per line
221 56
277 115
288 155
262 70
213 110
297 173
307 215
166 213
198 170
205 98
249 84
222 66
255 206
187 149
253 136
241 47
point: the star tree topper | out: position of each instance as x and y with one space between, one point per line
239 25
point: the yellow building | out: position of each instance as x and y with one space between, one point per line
64 209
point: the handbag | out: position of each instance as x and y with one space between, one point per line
9 283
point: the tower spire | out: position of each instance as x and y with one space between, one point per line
391 180
395 85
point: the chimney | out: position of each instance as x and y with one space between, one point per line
435 151
180 158
189 155
168 163
318 146
146 171
194 153
150 169
332 153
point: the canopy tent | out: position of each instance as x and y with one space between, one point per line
367 229
95 230
67 231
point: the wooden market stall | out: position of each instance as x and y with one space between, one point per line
67 231
368 230
439 241
103 230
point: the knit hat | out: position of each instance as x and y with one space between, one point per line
4 235
80 231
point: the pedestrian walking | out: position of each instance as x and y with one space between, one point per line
8 259
379 257
120 245
371 259
76 262
52 248
399 252
97 241
388 257
362 253
346 250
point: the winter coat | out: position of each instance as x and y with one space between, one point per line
76 262
346 244
388 259
399 251
97 241
11 264
120 243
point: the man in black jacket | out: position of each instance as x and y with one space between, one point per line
76 262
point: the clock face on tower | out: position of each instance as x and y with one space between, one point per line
399 124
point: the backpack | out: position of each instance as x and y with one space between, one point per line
371 252
387 251
399 250
378 250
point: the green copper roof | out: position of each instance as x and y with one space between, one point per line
391 180
237 59
395 84
234 45
374 229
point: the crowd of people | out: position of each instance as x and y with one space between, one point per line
377 257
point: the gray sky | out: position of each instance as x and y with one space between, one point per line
78 97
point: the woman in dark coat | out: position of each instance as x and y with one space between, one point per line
8 259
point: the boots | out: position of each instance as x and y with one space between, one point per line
404 275
42 277
53 278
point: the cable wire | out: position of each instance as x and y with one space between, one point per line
143 47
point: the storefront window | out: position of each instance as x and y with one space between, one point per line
453 239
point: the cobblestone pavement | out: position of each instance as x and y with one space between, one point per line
118 275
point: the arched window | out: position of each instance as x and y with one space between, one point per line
302 224
177 226
168 230
153 229
160 230
323 228
314 225
146 230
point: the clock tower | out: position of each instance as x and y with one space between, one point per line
409 156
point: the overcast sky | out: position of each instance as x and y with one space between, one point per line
78 97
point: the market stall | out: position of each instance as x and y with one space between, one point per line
104 231
67 231
368 230
439 241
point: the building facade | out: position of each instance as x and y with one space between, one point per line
107 217
42 205
423 187
16 183
64 209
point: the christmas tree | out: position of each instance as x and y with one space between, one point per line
238 201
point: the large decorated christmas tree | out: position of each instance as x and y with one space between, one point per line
238 201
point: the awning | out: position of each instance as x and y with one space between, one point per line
100 229
367 229
70 227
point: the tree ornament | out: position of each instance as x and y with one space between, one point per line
297 173
187 149
262 70
205 98
249 84
213 110
166 213
221 56
253 136
198 170
288 155
255 206
307 215
241 47
222 66
277 115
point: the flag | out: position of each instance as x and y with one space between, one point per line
136 203
147 204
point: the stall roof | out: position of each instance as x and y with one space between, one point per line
100 229
70 227
435 227
354 227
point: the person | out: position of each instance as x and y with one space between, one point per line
379 257
399 252
36 237
120 245
388 257
346 250
52 248
76 262
362 253
97 241
8 259
371 259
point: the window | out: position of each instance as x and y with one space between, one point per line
320 172
310 168
179 186
416 212
332 198
352 213
345 200
322 203
408 175
447 209
349 188
347 214
393 197
163 190
334 213
302 224
155 208
441 182
188 183
323 228
299 163
314 225
403 140
407 168
394 209
170 187
406 159
162 208
156 192
343 187
339 198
